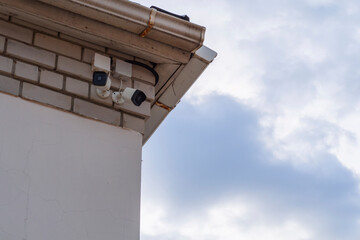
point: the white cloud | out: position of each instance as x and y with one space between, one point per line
310 52
294 64
319 2
231 219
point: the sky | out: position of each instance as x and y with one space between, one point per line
265 145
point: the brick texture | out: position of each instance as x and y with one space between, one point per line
2 43
142 110
57 45
97 112
51 79
33 54
4 16
46 96
26 71
134 123
122 70
6 64
88 55
77 87
52 69
9 85
73 67
16 32
115 83
143 74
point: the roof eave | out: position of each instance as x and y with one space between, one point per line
177 89
134 18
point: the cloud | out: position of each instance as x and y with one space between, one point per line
224 162
296 64
229 220
270 130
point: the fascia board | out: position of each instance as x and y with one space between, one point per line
177 89
192 70
134 18
95 31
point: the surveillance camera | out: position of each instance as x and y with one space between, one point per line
103 83
101 70
135 96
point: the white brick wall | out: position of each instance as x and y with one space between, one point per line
88 55
98 112
26 71
137 124
54 69
9 85
73 67
46 96
4 16
30 53
143 110
6 64
57 45
51 79
2 43
77 87
16 32
148 89
139 73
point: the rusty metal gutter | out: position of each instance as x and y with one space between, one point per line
138 19
92 30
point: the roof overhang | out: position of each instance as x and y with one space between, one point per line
134 18
173 44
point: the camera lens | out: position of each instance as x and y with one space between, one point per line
138 97
99 78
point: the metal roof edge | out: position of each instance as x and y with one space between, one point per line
175 91
91 30
138 19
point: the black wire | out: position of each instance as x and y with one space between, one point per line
183 17
156 75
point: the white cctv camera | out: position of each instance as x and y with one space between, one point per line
101 70
135 96
102 82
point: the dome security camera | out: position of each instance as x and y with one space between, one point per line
135 96
103 83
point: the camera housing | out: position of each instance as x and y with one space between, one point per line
101 69
102 82
135 96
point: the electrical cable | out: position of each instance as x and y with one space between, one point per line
156 75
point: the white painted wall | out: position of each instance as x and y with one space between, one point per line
64 177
